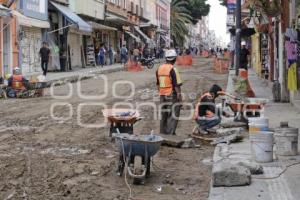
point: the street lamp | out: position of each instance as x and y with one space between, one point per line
238 37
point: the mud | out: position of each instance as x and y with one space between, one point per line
42 157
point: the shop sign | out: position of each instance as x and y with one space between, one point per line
37 9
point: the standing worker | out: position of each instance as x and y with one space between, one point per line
169 85
45 55
244 56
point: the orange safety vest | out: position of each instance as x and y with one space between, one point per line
17 82
165 80
208 113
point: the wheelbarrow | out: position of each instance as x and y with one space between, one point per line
121 119
244 110
136 152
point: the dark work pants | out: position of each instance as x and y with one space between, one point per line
170 112
44 67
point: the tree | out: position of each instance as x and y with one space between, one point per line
198 9
180 17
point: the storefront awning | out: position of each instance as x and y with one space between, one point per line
73 18
148 40
117 20
4 11
133 36
101 26
149 24
30 22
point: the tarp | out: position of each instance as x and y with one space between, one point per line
73 18
30 22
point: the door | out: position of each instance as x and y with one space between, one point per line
6 51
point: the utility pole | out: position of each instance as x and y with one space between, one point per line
238 30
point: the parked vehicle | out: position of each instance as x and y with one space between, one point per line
147 62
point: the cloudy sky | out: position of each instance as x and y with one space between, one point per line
217 19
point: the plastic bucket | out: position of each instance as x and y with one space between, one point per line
286 141
262 147
258 124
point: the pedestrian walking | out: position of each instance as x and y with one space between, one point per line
45 55
124 53
136 54
111 54
169 84
101 56
244 56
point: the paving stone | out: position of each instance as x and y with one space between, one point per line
226 174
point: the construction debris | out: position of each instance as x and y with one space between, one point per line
230 131
228 139
190 143
226 174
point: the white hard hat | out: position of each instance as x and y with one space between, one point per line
243 43
17 70
171 54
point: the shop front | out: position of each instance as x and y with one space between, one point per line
32 23
66 37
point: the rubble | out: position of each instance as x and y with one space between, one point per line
228 139
255 169
189 143
229 131
226 174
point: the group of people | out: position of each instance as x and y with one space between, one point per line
101 55
169 85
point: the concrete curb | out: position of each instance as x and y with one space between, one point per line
86 76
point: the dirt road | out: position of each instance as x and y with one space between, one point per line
54 157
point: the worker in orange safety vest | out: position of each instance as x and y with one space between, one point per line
16 83
169 86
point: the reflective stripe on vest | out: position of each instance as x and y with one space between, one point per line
164 78
178 77
17 82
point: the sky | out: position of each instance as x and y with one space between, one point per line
217 19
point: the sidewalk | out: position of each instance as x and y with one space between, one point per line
286 187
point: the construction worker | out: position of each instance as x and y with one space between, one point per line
206 112
169 83
17 83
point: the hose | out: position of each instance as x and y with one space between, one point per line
280 174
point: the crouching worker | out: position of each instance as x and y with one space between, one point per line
17 84
206 114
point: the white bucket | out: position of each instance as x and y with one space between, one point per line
286 141
258 124
262 147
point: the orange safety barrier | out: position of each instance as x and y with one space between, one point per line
205 54
227 55
221 65
184 60
250 92
243 73
133 66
